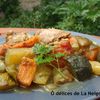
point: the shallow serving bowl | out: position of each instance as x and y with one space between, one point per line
87 90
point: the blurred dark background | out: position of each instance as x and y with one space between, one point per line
75 15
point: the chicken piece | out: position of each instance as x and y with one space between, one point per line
12 38
28 43
51 35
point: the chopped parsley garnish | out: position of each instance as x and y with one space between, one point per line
44 54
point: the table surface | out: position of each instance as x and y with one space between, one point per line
4 30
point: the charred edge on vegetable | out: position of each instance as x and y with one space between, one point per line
80 66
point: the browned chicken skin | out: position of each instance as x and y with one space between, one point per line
50 35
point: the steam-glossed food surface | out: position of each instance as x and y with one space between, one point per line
50 56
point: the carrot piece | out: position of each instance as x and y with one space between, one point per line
72 39
3 49
28 43
26 71
91 55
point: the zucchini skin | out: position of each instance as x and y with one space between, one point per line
80 66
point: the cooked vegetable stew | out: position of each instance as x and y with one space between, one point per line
51 56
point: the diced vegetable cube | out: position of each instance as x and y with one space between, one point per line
98 56
12 71
14 56
95 67
91 54
2 66
42 75
6 82
74 43
83 42
26 71
62 76
80 66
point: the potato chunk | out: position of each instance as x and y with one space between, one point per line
42 75
6 82
62 76
2 66
74 43
26 71
14 56
83 42
95 67
12 71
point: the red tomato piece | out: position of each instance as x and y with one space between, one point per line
67 46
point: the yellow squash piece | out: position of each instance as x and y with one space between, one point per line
95 67
42 75
14 56
12 71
